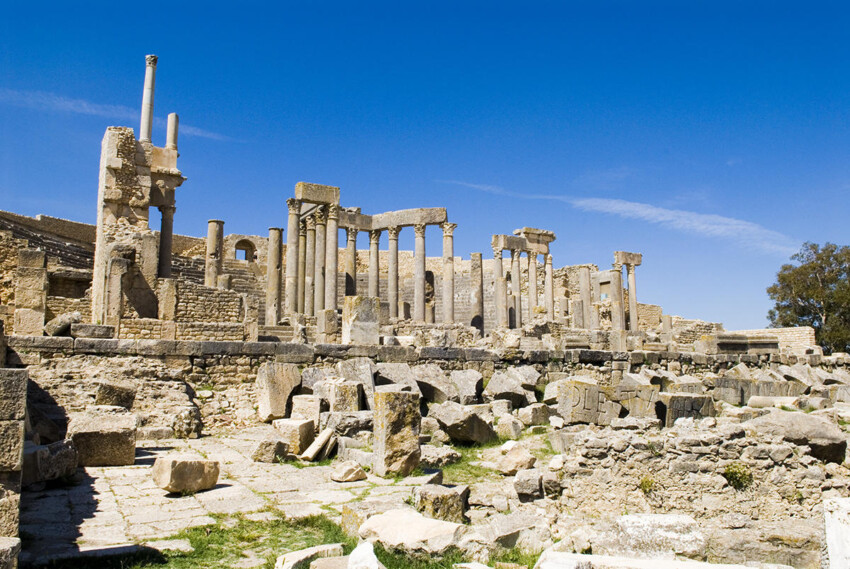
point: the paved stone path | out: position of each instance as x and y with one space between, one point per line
117 508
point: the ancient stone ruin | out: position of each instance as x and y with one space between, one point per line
150 380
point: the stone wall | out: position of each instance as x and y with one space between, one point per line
795 340
13 401
198 303
57 305
140 329
211 331
649 316
688 331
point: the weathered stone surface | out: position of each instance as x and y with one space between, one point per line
184 474
581 401
348 424
343 396
409 531
117 393
360 370
61 325
363 557
560 560
536 414
529 484
836 513
685 405
85 330
302 558
306 407
321 446
399 375
653 535
298 434
440 502
437 457
826 441
275 384
103 439
10 548
360 320
48 462
461 423
469 384
509 427
396 433
434 385
270 450
13 393
348 471
514 460
508 386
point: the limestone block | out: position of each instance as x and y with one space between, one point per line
298 434
184 474
509 428
581 401
529 484
440 502
462 423
307 407
361 370
396 433
824 439
347 424
536 414
348 471
270 450
638 398
115 393
85 330
48 462
514 460
438 457
302 558
316 193
321 446
397 375
13 394
408 531
344 396
11 445
327 322
551 559
32 258
275 384
29 322
361 320
651 535
61 325
103 439
434 385
469 384
683 405
503 385
836 514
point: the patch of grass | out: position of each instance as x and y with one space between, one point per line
464 472
653 450
646 484
738 476
524 558
303 464
393 560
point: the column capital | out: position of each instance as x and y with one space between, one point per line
293 205
320 214
392 232
302 227
448 228
351 233
171 208
311 223
547 258
617 266
516 254
630 267
333 211
497 252
419 229
375 236
151 60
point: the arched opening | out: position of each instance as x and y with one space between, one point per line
245 251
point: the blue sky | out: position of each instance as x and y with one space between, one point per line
710 136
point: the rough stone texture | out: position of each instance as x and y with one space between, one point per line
103 438
560 560
399 375
514 460
302 558
581 401
307 407
348 471
360 370
396 433
85 330
360 320
120 394
434 385
270 450
469 384
461 423
48 462
437 457
185 474
826 441
344 396
529 484
298 434
653 535
536 414
509 427
348 424
440 502
10 547
410 532
508 386
61 325
836 513
275 384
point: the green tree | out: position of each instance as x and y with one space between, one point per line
815 292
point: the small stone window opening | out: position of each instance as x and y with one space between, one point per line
245 251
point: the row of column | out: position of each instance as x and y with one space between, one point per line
506 301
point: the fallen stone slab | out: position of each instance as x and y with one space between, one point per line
560 560
434 385
529 485
85 330
503 385
325 439
440 502
516 459
408 531
184 474
61 325
363 557
396 433
397 374
652 535
437 457
462 423
302 558
836 513
348 471
298 434
49 462
343 396
469 384
271 450
103 439
826 441
117 393
10 548
534 414
275 383
347 424
509 428
360 370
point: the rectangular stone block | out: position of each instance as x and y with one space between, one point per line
307 407
298 434
316 193
396 427
83 330
679 405
584 402
104 439
29 322
361 320
344 396
32 258
11 445
13 394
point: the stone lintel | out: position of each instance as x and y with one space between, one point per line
510 242
354 220
316 193
409 217
626 258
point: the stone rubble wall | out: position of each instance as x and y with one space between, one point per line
57 305
198 303
796 340
13 389
140 329
687 331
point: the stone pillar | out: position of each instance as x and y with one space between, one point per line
419 273
392 271
374 269
549 287
448 272
273 276
147 99
516 286
532 284
397 421
310 268
319 264
215 243
31 288
585 296
332 258
617 300
171 131
633 309
302 264
500 288
166 232
291 292
476 275
351 261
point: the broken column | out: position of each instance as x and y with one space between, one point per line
291 285
516 279
392 271
273 276
585 295
549 287
448 272
397 421
166 233
419 273
319 260
332 258
351 261
374 270
310 267
215 243
476 276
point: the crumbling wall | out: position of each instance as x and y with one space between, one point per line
795 340
649 316
688 331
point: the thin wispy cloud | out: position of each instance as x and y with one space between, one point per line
44 101
745 233
604 179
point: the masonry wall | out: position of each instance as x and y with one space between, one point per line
13 401
796 340
198 303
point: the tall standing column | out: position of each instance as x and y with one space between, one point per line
532 284
147 99
291 301
500 288
374 257
273 276
310 269
351 261
549 287
476 274
302 264
166 231
633 309
319 264
215 240
584 289
392 271
419 273
448 272
332 258
516 287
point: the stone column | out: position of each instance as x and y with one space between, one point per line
147 99
332 258
302 264
319 264
549 287
584 288
633 308
448 272
419 273
291 300
500 288
374 269
215 241
166 232
392 271
171 131
310 268
516 286
476 275
273 276
351 262
532 284
618 320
